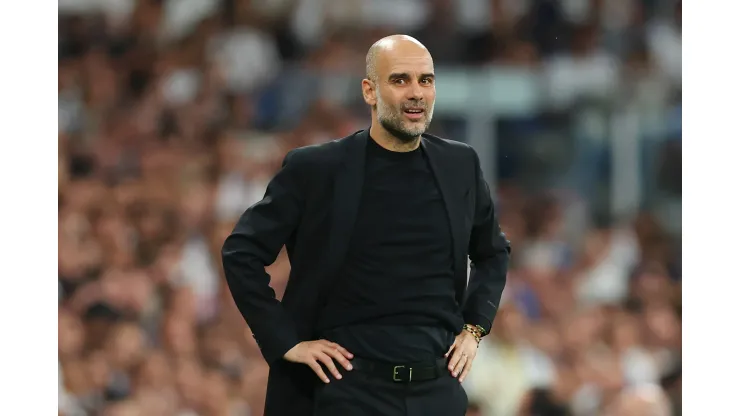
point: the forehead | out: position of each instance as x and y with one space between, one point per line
405 62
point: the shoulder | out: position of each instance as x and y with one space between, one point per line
453 147
317 156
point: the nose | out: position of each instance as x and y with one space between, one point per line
415 92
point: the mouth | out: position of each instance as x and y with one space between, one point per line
414 113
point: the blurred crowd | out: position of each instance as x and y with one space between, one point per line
174 115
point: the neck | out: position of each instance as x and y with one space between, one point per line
389 142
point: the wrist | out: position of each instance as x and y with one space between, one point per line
475 330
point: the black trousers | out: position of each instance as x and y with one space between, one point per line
362 394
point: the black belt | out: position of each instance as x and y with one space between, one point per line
403 373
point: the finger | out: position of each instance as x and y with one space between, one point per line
318 370
466 370
460 365
456 356
329 363
341 349
452 347
341 359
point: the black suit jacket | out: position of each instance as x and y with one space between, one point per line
310 206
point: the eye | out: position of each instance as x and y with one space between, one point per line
399 81
426 81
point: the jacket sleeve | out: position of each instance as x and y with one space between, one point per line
489 252
255 243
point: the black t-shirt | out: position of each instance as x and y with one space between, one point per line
395 297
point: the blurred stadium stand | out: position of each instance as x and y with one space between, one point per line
174 114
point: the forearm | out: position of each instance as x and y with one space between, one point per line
487 282
249 285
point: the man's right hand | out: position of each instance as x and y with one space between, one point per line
313 352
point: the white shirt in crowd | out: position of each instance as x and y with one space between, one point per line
607 282
502 375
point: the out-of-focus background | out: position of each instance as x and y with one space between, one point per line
174 114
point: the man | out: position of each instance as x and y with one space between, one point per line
378 317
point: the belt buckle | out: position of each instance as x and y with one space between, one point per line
396 374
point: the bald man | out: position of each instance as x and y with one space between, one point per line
378 317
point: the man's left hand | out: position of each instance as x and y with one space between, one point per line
463 352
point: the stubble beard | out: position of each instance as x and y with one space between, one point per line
392 121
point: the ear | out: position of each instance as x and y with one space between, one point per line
369 92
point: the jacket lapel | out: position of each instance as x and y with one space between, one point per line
444 170
348 183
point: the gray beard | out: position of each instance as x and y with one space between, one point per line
394 123
397 131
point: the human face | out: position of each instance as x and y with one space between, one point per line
404 95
